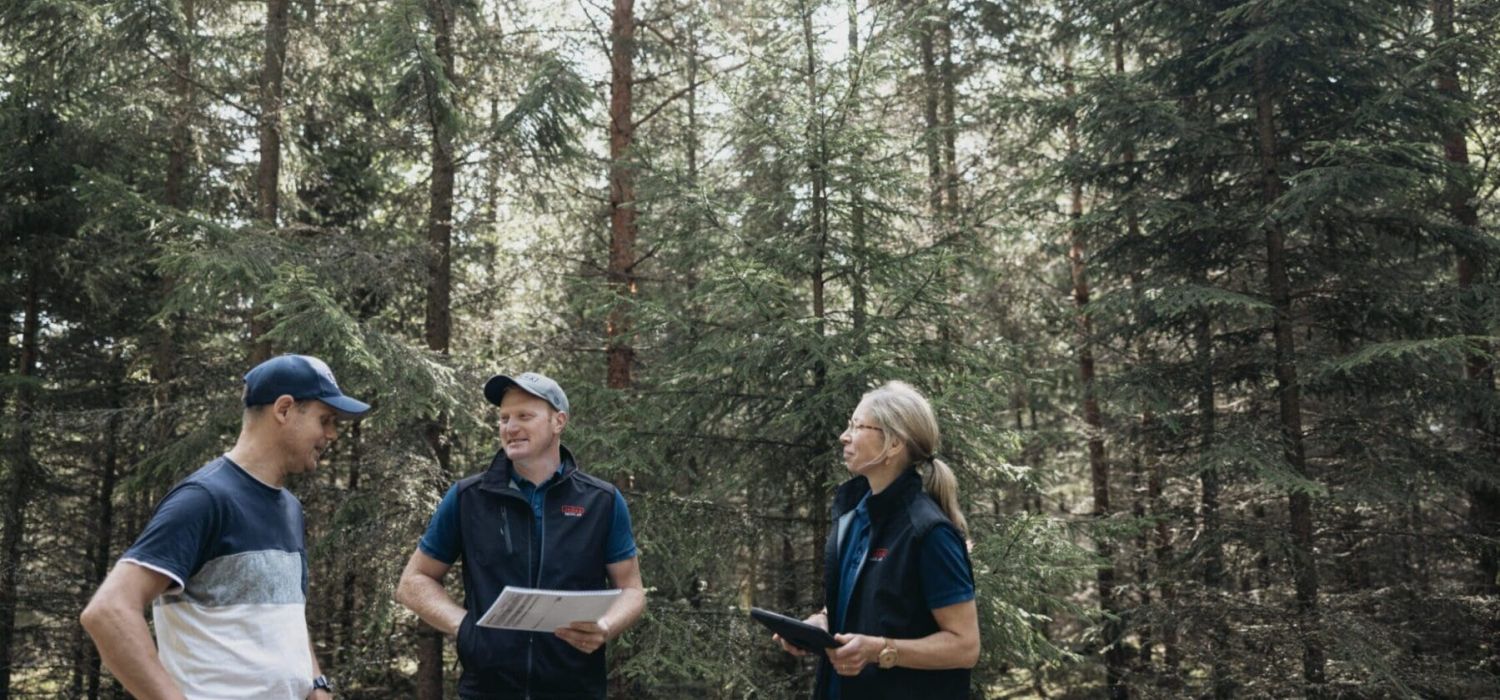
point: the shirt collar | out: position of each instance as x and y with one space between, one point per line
856 491
524 485
863 509
501 473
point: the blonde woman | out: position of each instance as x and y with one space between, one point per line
898 584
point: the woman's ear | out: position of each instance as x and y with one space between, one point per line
897 453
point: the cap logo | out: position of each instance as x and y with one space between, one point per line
879 554
573 511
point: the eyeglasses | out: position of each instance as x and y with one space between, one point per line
855 427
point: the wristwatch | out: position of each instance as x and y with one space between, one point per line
888 654
321 683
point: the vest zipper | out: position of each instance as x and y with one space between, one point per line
531 574
541 559
508 548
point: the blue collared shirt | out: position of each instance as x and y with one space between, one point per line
856 546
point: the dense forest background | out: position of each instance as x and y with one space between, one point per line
1204 294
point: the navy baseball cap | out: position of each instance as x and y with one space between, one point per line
530 382
302 377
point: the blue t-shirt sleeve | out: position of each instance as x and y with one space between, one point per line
442 541
175 543
947 578
621 537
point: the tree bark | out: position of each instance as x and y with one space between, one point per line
947 79
350 594
1115 659
268 171
1212 572
931 136
1213 557
23 478
859 312
817 168
1146 463
622 203
1304 565
176 195
814 493
1484 499
181 143
104 527
438 320
691 137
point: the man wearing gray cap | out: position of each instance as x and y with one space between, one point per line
224 559
531 520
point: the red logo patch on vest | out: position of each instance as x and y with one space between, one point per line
879 554
573 511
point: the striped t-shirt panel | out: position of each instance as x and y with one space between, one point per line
233 624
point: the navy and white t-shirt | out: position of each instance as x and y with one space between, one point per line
232 624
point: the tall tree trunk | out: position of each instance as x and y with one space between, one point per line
931 87
104 525
350 594
273 71
691 136
948 83
176 195
1213 557
22 479
1484 496
438 320
817 168
1147 499
1208 475
1304 564
859 313
1484 499
1114 656
179 152
1142 550
268 172
814 493
622 203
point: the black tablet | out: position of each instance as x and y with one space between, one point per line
796 632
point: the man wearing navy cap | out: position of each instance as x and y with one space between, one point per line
531 520
223 558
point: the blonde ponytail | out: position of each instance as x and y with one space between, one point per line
942 486
905 415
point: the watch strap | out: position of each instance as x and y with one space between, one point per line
888 654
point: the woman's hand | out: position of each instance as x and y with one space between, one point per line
817 619
857 651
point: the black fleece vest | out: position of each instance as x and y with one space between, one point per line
499 532
887 599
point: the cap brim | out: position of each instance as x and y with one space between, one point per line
350 408
495 388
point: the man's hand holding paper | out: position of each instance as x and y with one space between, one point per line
584 635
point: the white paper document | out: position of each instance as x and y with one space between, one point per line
536 610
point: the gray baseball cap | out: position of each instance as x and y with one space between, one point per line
532 383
